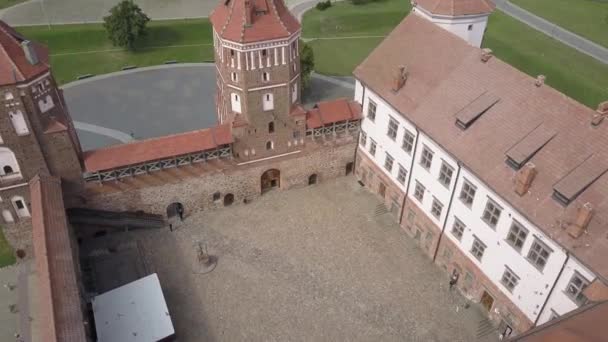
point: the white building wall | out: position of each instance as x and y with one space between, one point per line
559 302
534 285
358 92
430 179
470 28
377 130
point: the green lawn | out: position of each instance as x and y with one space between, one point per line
588 18
85 49
571 72
9 3
7 257
343 19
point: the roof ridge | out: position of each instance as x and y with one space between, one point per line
274 7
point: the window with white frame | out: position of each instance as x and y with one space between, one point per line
7 216
517 235
265 77
419 192
491 213
372 147
8 96
294 92
268 101
20 207
426 158
388 162
467 193
402 174
393 127
478 249
235 101
269 145
408 141
445 174
539 254
509 279
458 229
436 208
371 110
363 139
19 123
8 163
234 76
45 104
575 288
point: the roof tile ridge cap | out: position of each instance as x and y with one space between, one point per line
147 140
274 7
229 18
244 23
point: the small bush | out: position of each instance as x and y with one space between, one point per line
323 5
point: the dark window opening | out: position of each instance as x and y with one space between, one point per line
7 169
269 145
217 196
19 204
271 127
312 179
228 200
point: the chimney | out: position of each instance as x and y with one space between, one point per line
602 113
30 52
583 217
486 54
248 13
399 78
540 80
524 178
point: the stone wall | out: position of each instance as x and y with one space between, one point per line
195 186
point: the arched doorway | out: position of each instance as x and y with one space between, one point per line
228 200
312 179
271 179
175 210
349 168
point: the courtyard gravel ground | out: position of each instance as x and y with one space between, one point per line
311 264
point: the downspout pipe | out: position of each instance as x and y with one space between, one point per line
559 275
447 214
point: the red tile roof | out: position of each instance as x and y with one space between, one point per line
142 151
14 67
270 20
456 7
446 75
328 112
60 315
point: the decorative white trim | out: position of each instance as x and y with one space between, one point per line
268 87
14 186
34 81
267 158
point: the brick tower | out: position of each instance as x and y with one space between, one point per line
36 131
258 76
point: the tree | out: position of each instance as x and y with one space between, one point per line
125 24
307 63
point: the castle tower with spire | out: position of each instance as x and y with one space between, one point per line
37 134
258 76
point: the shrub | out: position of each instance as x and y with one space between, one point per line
323 5
307 63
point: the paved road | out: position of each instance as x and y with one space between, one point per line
161 100
43 12
573 40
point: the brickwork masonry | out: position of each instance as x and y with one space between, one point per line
215 184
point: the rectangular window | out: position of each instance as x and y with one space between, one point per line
458 229
419 192
538 255
372 147
445 174
371 110
478 248
492 213
393 126
402 174
388 162
408 141
509 279
363 139
426 158
575 288
517 235
467 193
436 208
